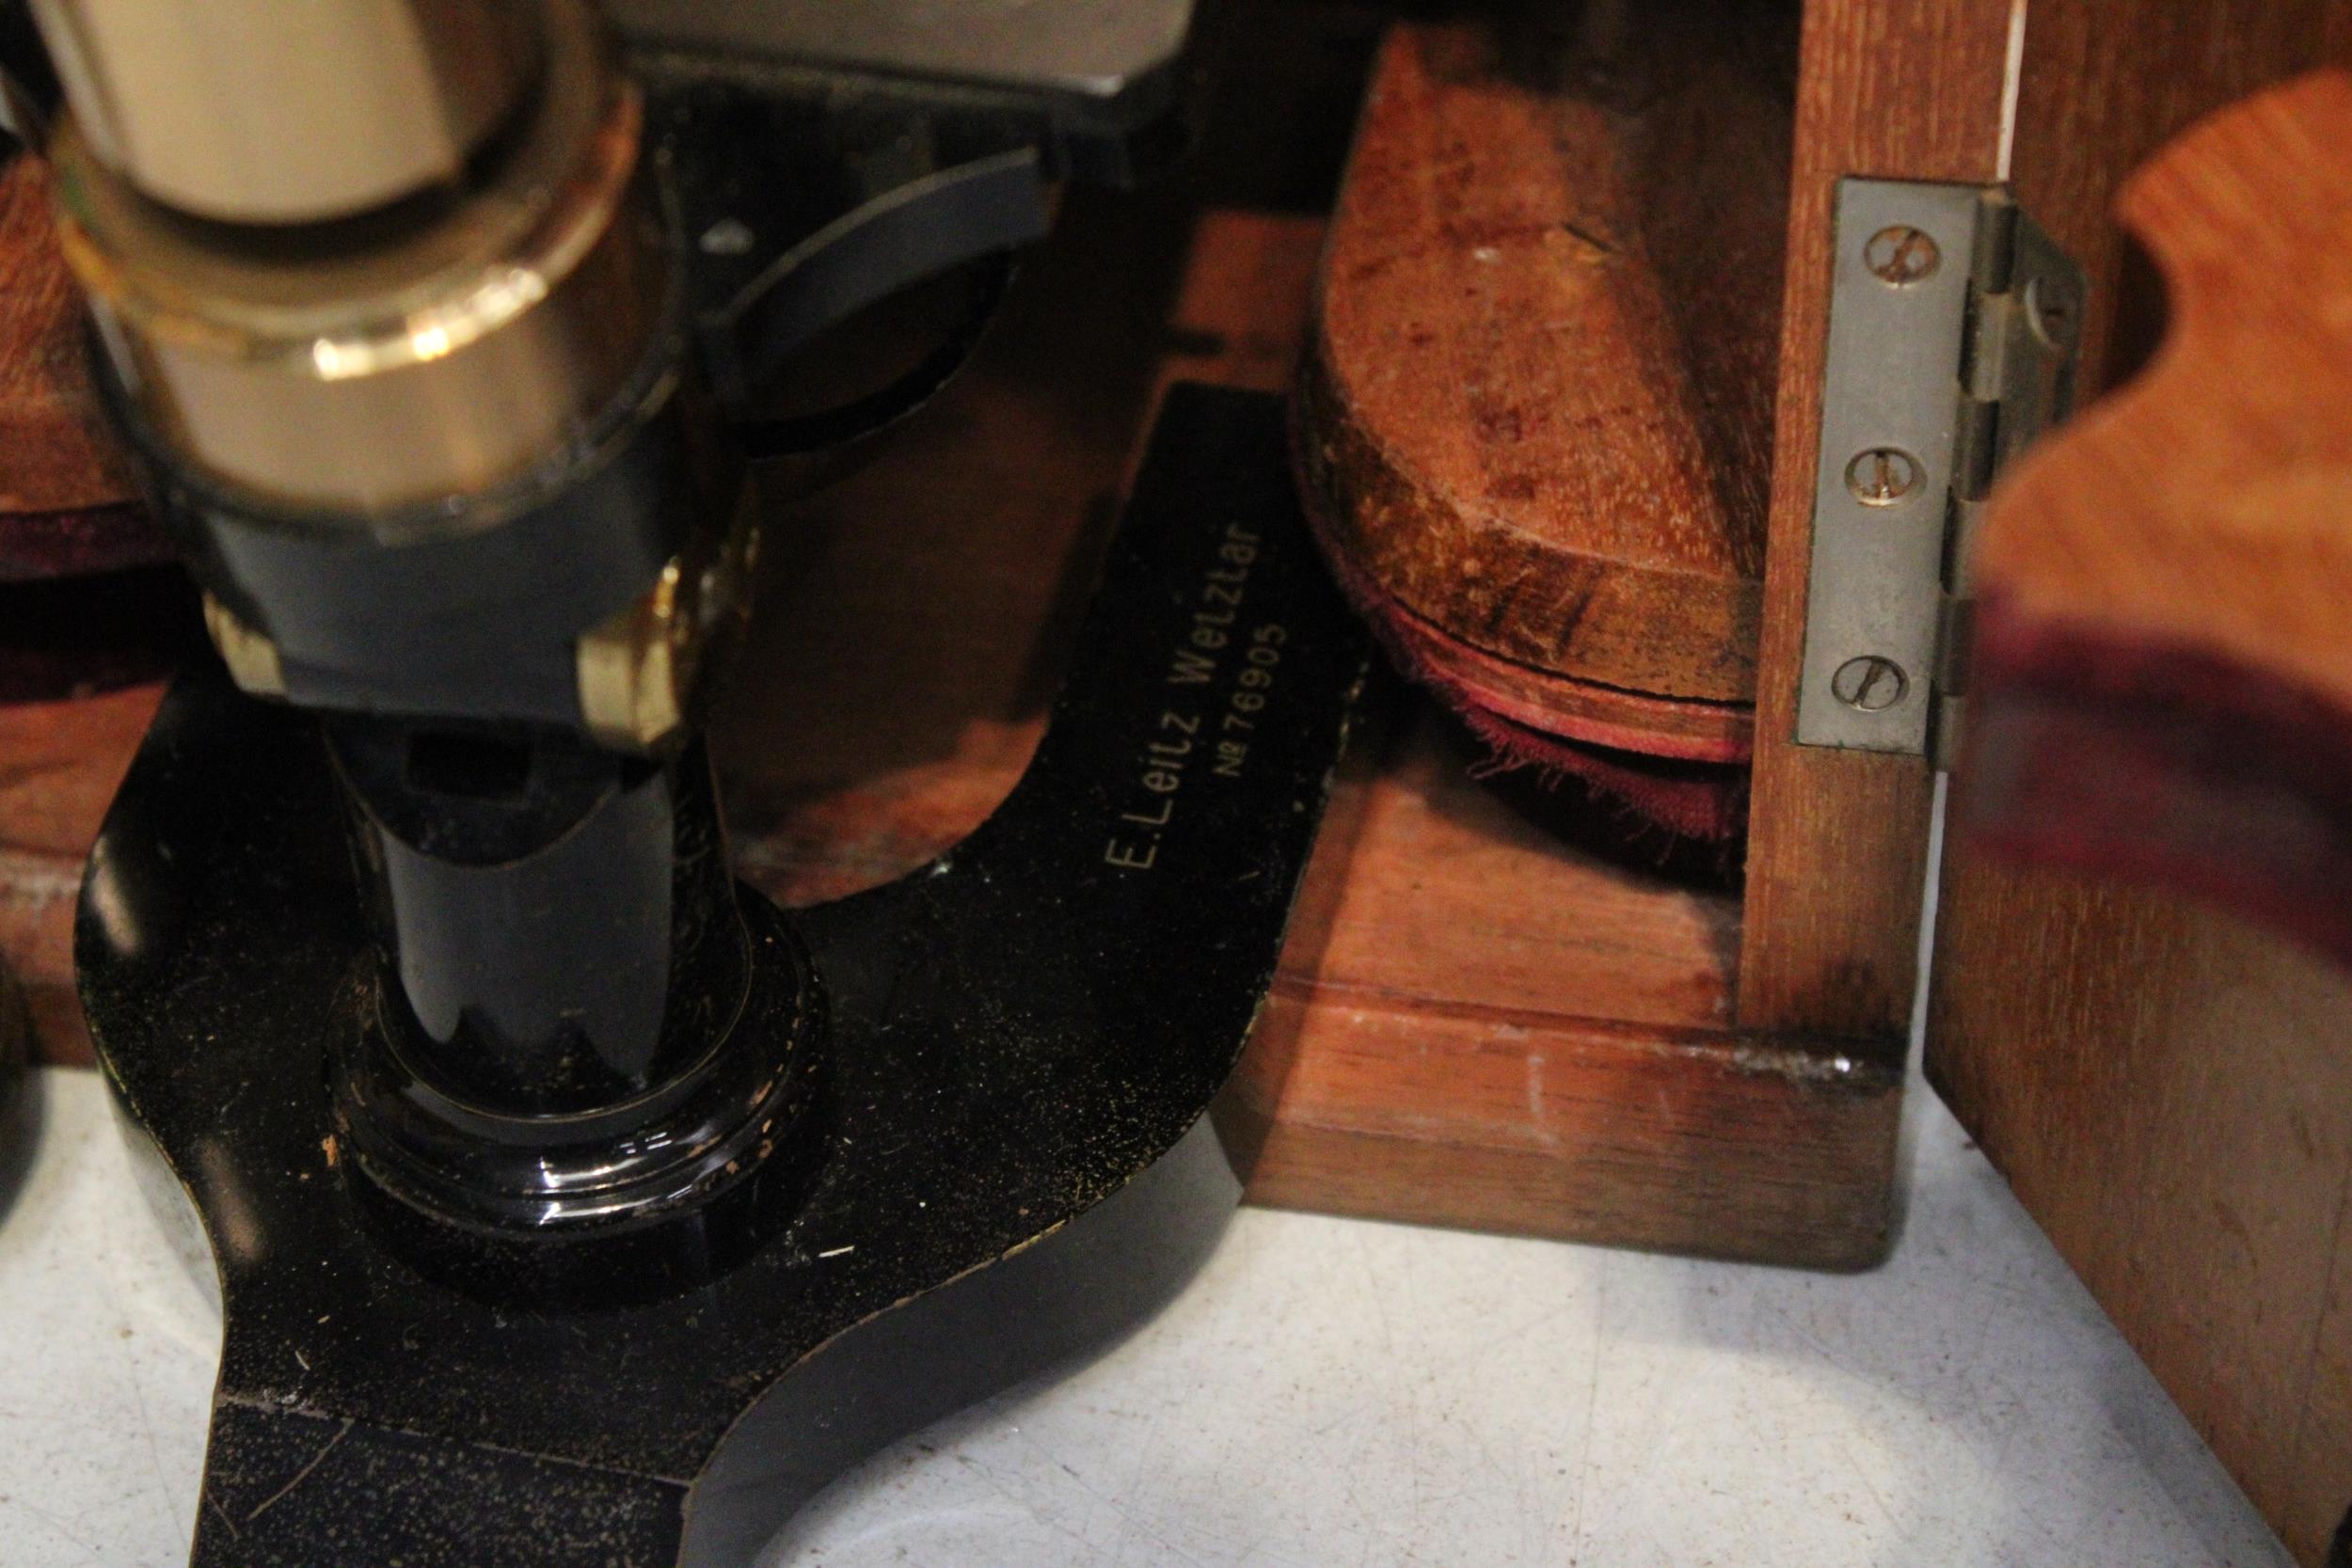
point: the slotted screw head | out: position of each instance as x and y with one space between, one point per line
1899 254
1883 476
1871 684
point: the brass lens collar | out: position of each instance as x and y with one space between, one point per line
406 359
271 112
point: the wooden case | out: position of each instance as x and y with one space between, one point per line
1477 1023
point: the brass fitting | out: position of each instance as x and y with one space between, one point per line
638 670
431 355
271 112
251 657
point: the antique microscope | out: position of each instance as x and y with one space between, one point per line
571 1203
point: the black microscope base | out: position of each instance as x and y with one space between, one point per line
1023 1038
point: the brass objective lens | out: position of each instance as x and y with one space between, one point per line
417 261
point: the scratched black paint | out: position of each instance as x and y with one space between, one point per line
1023 1040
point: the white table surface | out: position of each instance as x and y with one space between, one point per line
1330 1393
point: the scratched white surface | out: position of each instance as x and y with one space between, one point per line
1331 1393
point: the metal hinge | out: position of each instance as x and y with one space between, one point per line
1953 323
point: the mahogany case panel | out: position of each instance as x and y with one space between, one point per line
2163 692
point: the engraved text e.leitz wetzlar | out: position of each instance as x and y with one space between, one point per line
1221 675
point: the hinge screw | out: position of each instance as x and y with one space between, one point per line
1871 683
2050 305
1883 476
1901 254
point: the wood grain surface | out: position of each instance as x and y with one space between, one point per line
1476 1023
53 455
2168 1089
2166 676
1838 840
1539 398
2204 505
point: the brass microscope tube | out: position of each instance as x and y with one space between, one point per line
265 112
360 258
398 343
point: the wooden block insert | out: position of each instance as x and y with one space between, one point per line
1539 391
